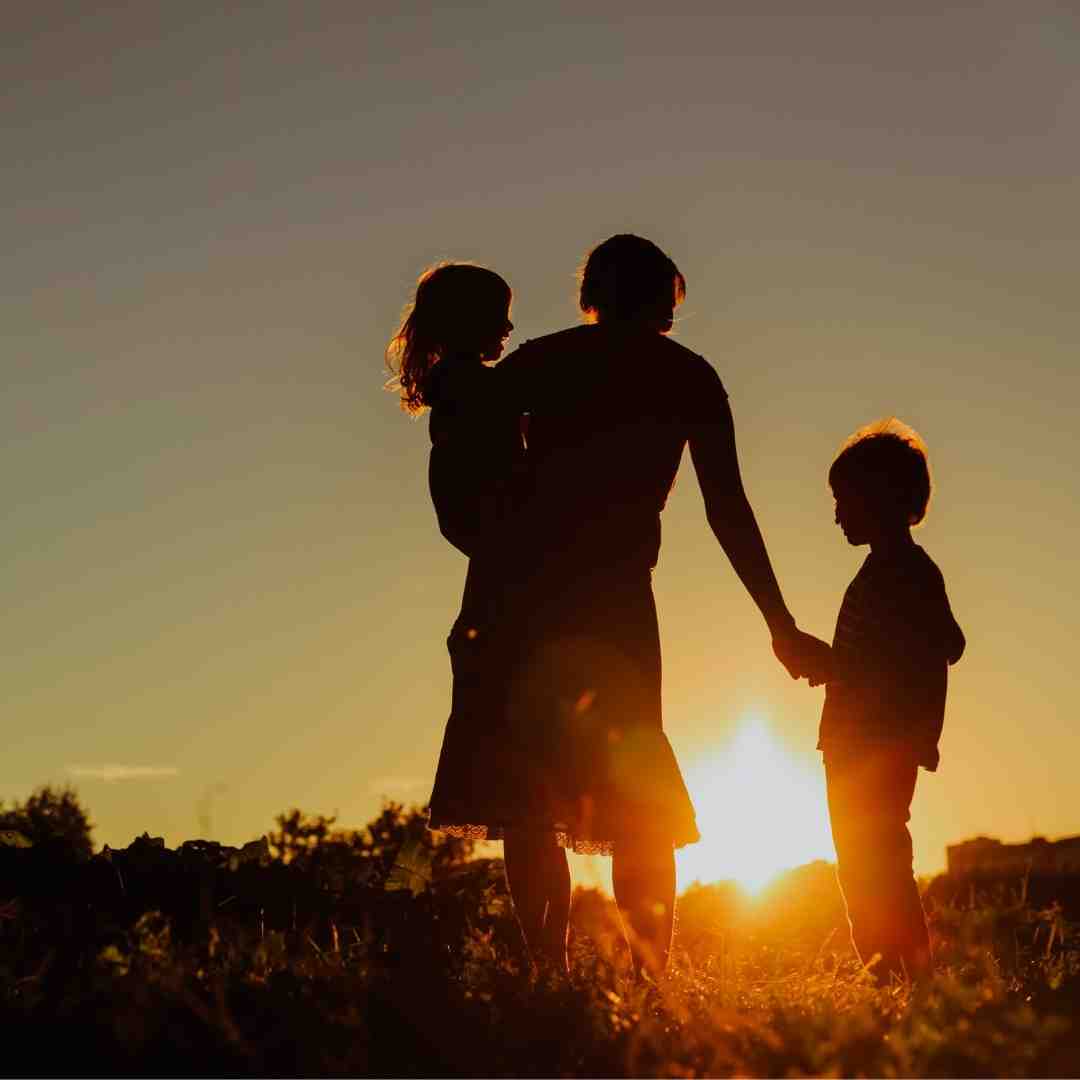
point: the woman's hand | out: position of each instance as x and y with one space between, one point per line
818 659
803 655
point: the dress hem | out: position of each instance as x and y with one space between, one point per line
564 836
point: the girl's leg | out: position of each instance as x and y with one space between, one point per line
538 877
644 880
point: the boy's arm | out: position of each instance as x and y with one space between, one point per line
922 627
952 635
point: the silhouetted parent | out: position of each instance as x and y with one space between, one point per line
611 406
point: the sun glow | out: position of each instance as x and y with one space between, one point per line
760 809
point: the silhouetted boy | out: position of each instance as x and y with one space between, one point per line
886 677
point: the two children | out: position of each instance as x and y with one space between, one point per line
885 672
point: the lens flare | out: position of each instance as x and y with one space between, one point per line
760 808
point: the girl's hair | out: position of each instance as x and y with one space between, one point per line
457 309
886 462
627 276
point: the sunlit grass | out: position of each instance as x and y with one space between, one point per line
739 1001
427 977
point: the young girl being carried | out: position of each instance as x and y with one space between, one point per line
458 324
454 328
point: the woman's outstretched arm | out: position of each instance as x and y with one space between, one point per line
731 517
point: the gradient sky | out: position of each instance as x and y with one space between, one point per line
224 592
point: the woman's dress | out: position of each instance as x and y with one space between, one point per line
556 717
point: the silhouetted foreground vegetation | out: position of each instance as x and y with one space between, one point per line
382 951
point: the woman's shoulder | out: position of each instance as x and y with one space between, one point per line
697 378
678 353
592 338
580 355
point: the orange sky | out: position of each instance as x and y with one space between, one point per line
224 590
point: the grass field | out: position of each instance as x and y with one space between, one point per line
426 978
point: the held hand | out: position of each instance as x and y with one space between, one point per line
803 655
817 660
786 649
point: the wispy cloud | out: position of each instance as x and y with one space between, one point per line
395 785
112 773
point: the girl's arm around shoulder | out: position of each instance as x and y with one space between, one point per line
513 378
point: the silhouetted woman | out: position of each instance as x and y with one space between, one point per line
584 760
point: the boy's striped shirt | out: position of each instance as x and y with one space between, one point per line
895 637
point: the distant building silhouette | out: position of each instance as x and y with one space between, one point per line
986 856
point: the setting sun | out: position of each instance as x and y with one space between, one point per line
760 808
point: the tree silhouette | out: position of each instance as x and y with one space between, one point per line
342 859
51 819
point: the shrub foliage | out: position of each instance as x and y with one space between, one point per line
385 951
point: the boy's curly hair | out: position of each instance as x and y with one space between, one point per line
886 462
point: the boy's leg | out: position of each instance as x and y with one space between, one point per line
869 807
538 877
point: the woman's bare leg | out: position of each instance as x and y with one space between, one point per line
644 880
538 876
